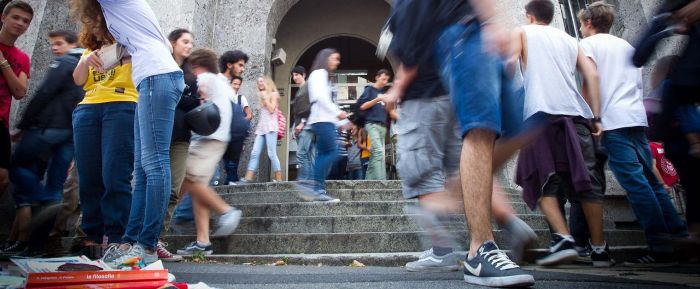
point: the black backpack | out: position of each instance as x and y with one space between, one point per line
240 126
359 116
302 105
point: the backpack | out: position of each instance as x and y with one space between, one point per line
240 126
281 124
359 116
302 105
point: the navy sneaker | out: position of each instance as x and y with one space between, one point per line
491 267
561 252
602 259
194 248
584 254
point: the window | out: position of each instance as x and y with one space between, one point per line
569 10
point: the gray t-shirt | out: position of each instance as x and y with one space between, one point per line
134 25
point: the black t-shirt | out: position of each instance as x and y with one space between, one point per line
377 113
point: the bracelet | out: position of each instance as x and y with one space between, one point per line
4 64
597 119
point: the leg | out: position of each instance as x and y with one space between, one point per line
304 155
61 159
255 156
70 204
178 157
550 208
327 151
271 143
477 182
377 163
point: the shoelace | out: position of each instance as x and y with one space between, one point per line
162 250
499 260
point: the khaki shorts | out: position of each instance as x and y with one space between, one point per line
202 159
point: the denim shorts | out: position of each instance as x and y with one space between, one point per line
476 80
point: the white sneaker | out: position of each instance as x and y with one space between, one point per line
228 222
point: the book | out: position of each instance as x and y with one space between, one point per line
93 277
131 285
45 265
112 55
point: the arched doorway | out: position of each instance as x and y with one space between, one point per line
357 69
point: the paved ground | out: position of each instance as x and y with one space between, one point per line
274 277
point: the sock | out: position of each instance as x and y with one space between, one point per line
202 244
442 251
599 249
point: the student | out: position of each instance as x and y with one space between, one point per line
46 143
103 129
425 29
623 118
339 167
376 124
14 72
182 42
160 84
266 130
204 155
325 117
549 57
235 146
302 132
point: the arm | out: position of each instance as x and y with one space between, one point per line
403 79
248 113
369 104
393 114
494 33
54 80
80 74
591 86
269 102
658 175
319 92
16 83
517 50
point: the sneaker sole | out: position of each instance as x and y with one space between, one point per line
506 281
603 264
434 269
188 253
171 259
559 258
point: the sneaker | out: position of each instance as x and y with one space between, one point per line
137 250
165 255
195 247
228 222
245 181
521 236
584 254
6 244
491 267
429 262
232 183
603 258
15 248
324 197
562 252
114 253
310 195
652 259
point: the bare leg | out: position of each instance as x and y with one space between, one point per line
551 210
477 181
594 218
23 217
201 220
207 197
501 208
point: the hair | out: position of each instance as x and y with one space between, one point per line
235 77
177 33
18 4
269 83
68 35
231 57
321 60
204 57
542 10
601 15
299 70
382 71
93 31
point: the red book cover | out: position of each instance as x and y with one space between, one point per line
130 285
93 277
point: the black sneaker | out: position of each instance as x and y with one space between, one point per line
491 267
602 259
561 252
6 244
194 248
652 259
584 254
15 248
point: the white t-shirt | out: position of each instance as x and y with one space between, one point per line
621 91
244 101
218 91
134 25
550 76
323 107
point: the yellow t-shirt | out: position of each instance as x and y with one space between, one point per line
111 86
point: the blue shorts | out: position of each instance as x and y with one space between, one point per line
480 90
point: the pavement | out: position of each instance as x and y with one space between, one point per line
221 275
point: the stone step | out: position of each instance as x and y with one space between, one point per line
396 259
356 224
338 209
361 242
291 186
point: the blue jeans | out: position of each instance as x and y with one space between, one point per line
104 156
304 155
326 152
153 127
475 78
184 212
355 174
270 141
49 148
630 161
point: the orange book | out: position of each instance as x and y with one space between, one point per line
130 285
93 277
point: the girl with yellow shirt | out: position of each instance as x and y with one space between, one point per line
103 129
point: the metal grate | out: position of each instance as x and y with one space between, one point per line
569 9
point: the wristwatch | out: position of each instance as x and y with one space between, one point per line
597 119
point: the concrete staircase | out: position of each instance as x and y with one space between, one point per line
368 224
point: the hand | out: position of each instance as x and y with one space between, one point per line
380 97
391 99
343 115
496 38
689 14
597 130
299 127
93 59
